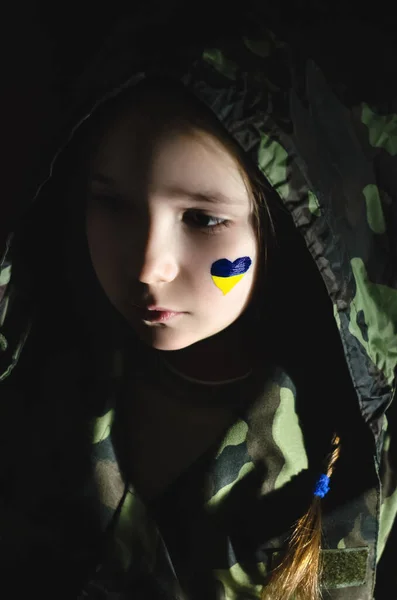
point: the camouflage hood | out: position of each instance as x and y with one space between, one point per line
332 166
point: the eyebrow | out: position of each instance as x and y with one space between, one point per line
99 178
205 195
211 196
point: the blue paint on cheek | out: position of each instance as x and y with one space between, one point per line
227 268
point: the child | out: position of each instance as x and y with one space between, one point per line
189 412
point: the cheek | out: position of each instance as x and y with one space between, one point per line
103 246
226 275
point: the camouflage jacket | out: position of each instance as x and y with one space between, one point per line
67 517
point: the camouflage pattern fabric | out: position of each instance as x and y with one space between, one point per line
334 169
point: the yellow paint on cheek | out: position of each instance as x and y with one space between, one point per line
225 284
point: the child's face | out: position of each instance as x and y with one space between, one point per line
154 233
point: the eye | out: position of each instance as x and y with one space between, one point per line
200 220
113 203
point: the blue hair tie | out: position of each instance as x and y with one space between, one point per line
322 486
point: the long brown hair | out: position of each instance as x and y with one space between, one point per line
298 574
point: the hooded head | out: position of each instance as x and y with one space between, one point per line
175 216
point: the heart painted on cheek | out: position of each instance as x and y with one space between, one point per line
225 273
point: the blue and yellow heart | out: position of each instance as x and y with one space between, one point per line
225 273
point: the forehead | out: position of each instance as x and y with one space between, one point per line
167 156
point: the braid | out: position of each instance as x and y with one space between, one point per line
298 575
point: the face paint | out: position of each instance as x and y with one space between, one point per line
225 274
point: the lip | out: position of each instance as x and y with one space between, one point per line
156 314
159 308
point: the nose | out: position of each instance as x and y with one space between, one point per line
159 262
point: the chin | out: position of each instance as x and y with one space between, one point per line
167 341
